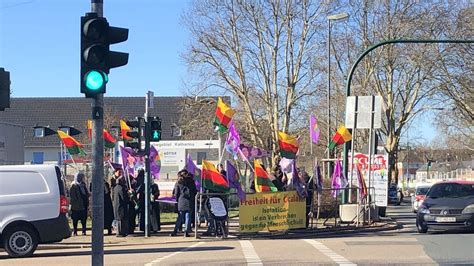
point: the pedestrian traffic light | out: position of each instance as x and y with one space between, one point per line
155 129
134 135
4 89
96 57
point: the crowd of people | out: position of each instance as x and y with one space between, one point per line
124 201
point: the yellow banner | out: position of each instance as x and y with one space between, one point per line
272 212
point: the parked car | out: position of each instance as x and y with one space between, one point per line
448 205
33 208
418 196
395 194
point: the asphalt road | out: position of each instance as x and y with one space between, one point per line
403 246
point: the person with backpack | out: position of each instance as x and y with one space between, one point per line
184 192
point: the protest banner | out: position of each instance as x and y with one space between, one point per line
276 211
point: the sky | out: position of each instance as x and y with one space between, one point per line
40 40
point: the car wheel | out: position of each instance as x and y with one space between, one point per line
20 241
421 229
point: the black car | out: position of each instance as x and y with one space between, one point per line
448 205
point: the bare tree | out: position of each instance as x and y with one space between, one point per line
264 53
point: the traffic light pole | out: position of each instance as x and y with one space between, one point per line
97 167
148 104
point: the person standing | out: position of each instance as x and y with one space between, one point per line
155 208
79 197
108 208
121 204
184 192
132 206
140 192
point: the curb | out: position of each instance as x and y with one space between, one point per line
341 231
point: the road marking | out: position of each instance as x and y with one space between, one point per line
328 252
249 253
172 254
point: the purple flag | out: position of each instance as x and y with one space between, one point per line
232 143
233 180
167 199
251 152
314 130
286 165
194 170
296 182
338 179
155 162
129 160
317 177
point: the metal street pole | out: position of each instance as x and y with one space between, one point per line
329 97
359 59
148 105
97 166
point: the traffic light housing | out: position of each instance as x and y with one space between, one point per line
134 136
4 89
155 129
96 57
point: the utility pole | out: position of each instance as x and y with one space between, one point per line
148 105
97 6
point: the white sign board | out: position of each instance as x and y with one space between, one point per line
364 111
379 174
217 207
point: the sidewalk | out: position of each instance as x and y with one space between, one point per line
162 237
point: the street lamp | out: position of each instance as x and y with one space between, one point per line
330 18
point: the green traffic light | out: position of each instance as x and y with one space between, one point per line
156 134
95 80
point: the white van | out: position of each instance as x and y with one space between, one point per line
33 208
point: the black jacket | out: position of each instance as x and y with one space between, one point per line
184 194
121 200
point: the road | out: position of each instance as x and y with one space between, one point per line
401 246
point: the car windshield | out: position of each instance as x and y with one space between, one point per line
422 190
451 190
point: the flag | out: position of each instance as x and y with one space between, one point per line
296 182
248 152
223 116
89 128
124 128
288 145
155 162
317 177
342 136
72 145
194 170
362 185
114 166
286 165
131 161
167 200
314 130
338 179
212 179
232 143
109 140
262 180
233 180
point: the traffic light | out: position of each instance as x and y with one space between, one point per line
4 89
134 135
96 57
155 129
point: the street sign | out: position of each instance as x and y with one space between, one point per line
363 109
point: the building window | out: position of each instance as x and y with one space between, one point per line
176 131
201 156
38 158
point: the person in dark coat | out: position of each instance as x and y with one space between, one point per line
121 204
108 208
132 204
184 192
280 177
140 190
79 198
155 208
